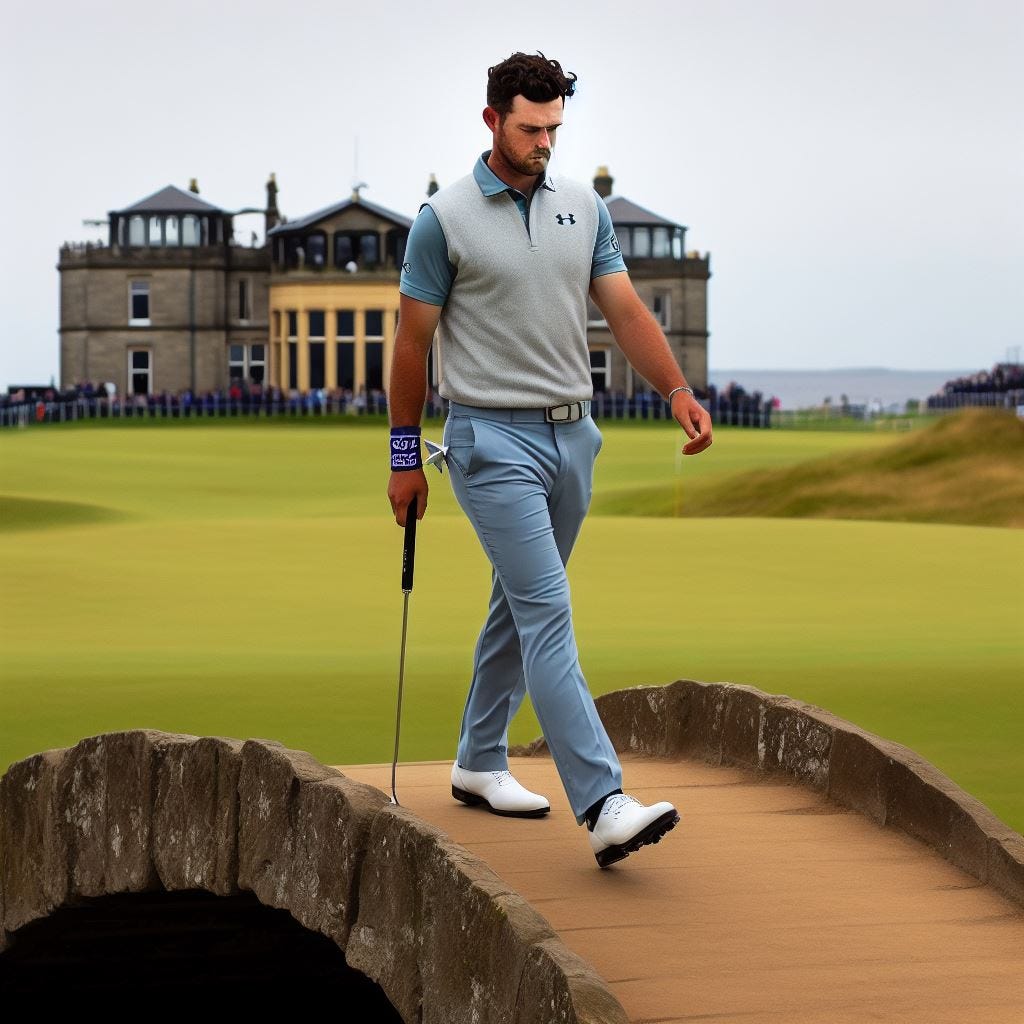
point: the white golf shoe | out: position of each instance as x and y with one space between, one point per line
625 824
498 791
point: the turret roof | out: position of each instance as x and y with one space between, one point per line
624 211
330 211
172 199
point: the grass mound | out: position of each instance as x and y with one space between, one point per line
965 468
39 514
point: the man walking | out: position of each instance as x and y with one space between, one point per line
500 265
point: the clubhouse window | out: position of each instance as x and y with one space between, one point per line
243 299
375 323
346 369
317 319
316 250
138 304
293 252
374 365
236 362
369 250
136 231
317 372
140 371
247 362
661 305
346 323
344 250
600 360
257 363
190 230
293 323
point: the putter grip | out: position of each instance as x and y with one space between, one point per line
409 551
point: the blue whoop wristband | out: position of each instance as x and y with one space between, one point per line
405 449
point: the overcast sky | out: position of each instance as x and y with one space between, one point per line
854 169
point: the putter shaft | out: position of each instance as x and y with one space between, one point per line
401 684
408 563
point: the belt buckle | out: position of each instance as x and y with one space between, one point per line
570 408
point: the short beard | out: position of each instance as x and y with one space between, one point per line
519 165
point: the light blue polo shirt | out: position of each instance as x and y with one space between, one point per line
427 273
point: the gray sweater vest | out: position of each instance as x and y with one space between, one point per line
513 333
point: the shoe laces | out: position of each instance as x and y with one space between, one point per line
502 778
617 803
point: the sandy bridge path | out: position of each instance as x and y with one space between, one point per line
765 905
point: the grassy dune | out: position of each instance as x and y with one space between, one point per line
967 468
249 586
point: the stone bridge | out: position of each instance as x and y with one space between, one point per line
442 934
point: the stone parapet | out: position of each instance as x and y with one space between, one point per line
144 810
729 724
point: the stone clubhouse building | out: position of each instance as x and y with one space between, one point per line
173 302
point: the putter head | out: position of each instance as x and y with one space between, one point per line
436 458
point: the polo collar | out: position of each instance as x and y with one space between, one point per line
491 185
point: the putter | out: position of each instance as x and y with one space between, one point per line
408 558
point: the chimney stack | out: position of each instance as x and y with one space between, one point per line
271 215
193 185
433 186
603 182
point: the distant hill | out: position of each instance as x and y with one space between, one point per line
967 468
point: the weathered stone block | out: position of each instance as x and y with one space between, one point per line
33 863
558 987
444 937
195 813
638 719
858 775
103 801
740 725
302 830
702 717
795 742
929 806
386 941
1005 868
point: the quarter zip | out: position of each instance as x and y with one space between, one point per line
525 219
529 215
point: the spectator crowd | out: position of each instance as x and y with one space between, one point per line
1003 385
731 405
1001 378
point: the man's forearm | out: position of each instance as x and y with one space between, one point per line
408 389
644 344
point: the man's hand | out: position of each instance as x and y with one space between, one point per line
694 419
402 488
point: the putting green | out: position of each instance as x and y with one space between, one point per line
254 591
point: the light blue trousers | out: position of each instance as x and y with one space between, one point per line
525 485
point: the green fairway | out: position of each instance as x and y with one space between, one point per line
243 579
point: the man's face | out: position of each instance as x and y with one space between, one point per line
526 135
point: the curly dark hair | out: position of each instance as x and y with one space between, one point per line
536 78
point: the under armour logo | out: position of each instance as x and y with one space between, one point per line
563 217
615 243
407 268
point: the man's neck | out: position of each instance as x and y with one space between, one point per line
525 183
